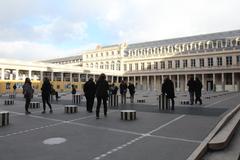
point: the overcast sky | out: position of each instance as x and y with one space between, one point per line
45 29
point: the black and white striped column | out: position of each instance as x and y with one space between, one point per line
34 105
8 101
71 109
184 102
11 96
4 118
77 99
163 102
128 114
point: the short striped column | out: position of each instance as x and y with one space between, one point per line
34 105
128 114
4 118
77 99
163 102
141 100
184 102
11 96
8 101
71 109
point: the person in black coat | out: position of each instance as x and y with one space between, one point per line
46 92
102 88
131 89
168 89
89 89
123 91
198 91
191 89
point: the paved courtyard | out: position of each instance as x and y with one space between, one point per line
154 135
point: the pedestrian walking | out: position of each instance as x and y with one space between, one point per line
102 88
46 92
198 91
28 94
14 89
73 93
131 89
89 89
123 91
168 90
191 89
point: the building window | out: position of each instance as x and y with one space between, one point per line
169 64
210 62
148 66
136 66
201 62
162 64
229 60
125 67
142 66
118 67
96 65
112 65
238 60
177 63
106 65
112 53
101 65
155 65
193 63
91 66
130 67
101 54
219 61
185 63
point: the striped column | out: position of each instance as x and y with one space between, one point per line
34 105
8 101
71 109
128 114
4 118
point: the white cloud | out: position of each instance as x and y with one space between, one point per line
31 51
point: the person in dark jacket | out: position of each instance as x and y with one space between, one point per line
46 92
89 89
191 89
28 94
168 89
102 88
131 89
74 91
123 91
198 91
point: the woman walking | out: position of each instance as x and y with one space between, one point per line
102 88
28 94
46 92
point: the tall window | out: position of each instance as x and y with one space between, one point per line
193 63
169 64
106 65
219 61
112 65
238 60
177 63
136 66
229 60
149 66
101 65
162 63
130 67
155 65
118 67
185 63
210 62
201 62
142 66
125 67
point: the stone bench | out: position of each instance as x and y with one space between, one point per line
8 101
71 109
128 114
184 102
4 118
34 105
141 100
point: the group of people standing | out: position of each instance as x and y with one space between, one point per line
46 92
195 88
